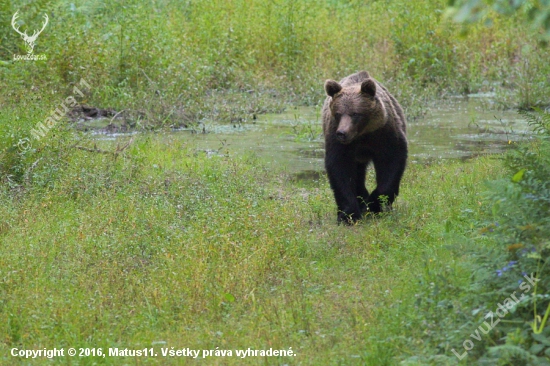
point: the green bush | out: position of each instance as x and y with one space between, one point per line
505 247
521 224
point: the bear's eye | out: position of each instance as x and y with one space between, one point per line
337 115
355 115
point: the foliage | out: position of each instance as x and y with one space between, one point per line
521 224
526 77
175 63
537 12
503 248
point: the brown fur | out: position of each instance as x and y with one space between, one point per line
362 122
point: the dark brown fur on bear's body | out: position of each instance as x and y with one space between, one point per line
363 123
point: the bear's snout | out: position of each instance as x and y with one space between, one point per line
341 136
344 133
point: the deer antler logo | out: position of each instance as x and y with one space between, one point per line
29 40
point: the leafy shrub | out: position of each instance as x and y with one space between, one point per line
521 224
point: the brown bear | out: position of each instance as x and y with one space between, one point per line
363 123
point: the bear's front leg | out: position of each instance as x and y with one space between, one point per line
389 171
342 174
362 193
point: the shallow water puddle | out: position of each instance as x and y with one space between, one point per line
457 128
462 128
292 140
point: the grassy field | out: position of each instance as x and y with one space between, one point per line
162 245
183 62
165 244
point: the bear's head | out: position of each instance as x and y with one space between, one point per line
356 109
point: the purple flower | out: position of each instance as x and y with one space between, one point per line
507 267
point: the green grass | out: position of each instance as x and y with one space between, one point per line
184 62
167 244
164 245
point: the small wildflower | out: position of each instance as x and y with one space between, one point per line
507 267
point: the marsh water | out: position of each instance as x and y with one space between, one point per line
457 128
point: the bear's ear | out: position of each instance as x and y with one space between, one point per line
332 87
368 87
364 74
